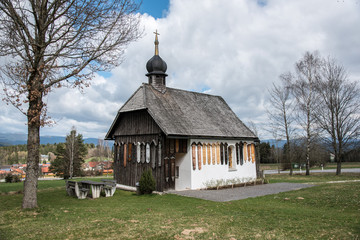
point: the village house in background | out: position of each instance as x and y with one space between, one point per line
190 140
14 169
98 168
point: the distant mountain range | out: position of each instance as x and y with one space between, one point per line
8 139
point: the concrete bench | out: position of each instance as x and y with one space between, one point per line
109 188
74 188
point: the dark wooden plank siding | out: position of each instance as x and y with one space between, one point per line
131 173
136 123
136 128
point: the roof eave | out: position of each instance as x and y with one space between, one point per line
179 136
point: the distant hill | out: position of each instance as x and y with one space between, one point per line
8 139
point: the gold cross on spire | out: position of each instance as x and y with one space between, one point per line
156 42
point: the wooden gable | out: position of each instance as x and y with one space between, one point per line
136 123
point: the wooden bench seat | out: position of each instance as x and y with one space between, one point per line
109 188
74 188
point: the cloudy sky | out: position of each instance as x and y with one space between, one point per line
233 48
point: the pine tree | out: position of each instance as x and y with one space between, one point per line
69 156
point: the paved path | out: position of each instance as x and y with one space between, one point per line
230 194
343 170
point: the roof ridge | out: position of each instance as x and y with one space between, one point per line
189 91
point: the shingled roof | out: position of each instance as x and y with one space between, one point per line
184 113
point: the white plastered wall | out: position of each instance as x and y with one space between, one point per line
210 174
184 180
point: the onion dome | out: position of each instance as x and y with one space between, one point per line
156 65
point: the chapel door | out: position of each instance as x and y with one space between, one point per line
170 172
173 147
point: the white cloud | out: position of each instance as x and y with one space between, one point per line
233 48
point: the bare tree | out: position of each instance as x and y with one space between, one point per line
252 126
280 115
55 43
307 73
275 150
338 115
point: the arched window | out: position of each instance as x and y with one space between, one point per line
209 154
172 168
213 153
232 157
237 154
198 155
125 154
159 153
226 153
117 152
147 153
121 154
153 154
222 153
142 157
177 145
193 155
166 161
129 151
218 153
245 152
204 153
138 152
241 150
249 152
253 152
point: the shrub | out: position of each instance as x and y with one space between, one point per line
147 182
8 178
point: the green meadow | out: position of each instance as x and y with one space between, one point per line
326 211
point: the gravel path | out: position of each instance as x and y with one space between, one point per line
230 194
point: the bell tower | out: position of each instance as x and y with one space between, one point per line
156 68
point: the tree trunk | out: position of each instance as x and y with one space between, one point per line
32 168
33 142
307 157
338 166
288 154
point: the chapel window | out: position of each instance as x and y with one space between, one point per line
241 153
232 158
153 155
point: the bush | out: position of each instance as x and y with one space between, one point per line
147 182
8 178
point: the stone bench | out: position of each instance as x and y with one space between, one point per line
74 188
109 188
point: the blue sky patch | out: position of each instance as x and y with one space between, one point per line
155 8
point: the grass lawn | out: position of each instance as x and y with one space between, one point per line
326 211
317 178
274 166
